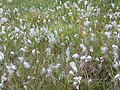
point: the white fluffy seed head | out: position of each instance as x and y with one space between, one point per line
1 56
77 79
117 77
73 66
26 65
75 56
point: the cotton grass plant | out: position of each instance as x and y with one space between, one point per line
60 45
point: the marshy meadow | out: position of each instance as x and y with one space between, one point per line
59 45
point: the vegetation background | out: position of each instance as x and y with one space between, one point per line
60 44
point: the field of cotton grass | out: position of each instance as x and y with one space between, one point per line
59 45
